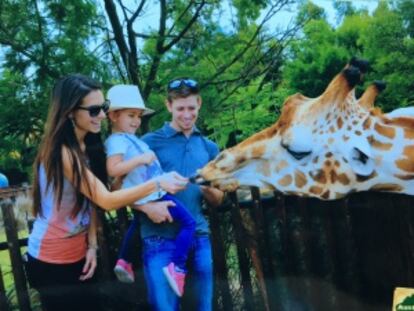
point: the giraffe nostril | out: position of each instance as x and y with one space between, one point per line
362 157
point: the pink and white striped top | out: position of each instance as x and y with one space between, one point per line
57 236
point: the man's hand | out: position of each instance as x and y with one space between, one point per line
157 211
212 195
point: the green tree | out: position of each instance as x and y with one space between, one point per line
40 41
383 38
177 46
389 45
43 40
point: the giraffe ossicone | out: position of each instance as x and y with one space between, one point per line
325 147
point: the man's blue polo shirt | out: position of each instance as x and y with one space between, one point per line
184 155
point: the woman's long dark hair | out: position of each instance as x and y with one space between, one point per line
67 95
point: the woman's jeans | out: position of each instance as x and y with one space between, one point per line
158 252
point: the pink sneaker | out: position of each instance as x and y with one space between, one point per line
175 278
123 271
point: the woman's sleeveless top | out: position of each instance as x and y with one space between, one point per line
57 236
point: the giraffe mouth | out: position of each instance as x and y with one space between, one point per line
199 180
224 184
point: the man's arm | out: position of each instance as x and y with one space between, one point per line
213 196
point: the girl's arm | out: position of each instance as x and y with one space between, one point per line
102 197
116 166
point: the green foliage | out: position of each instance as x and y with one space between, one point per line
309 11
389 48
315 59
245 72
248 10
383 38
248 111
40 41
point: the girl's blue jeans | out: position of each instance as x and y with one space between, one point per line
158 252
183 240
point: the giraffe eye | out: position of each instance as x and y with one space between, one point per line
298 155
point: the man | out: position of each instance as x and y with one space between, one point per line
180 147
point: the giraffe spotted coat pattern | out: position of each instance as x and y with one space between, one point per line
325 147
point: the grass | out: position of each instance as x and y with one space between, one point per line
5 258
6 267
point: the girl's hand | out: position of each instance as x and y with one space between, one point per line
172 182
90 264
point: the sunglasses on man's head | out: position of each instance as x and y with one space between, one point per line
178 83
95 110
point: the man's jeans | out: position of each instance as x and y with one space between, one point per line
157 253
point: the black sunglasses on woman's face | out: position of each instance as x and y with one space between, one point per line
95 110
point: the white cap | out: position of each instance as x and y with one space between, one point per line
124 96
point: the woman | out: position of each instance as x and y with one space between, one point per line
69 178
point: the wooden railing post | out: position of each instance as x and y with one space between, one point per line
123 221
219 261
242 253
104 251
264 247
15 255
4 306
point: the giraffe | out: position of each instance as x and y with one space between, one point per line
325 147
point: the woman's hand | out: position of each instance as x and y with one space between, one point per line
172 182
156 211
90 264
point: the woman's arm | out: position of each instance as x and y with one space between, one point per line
102 197
92 232
116 166
90 260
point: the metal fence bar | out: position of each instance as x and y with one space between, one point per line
15 255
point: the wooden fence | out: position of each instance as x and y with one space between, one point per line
273 253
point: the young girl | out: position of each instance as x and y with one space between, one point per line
69 179
130 156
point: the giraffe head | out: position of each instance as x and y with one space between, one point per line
324 147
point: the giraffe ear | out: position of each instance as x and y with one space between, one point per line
360 160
